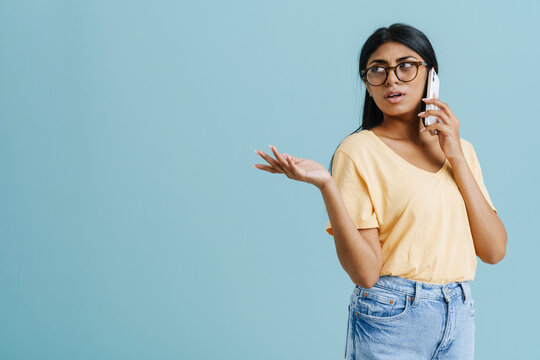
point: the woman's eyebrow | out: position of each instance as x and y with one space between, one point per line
397 60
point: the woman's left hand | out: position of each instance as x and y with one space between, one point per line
447 131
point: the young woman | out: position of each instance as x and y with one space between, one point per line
408 210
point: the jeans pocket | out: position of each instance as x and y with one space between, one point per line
380 304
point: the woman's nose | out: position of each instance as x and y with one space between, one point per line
391 78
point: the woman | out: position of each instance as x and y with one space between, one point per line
408 210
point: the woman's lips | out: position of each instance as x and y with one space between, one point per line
395 99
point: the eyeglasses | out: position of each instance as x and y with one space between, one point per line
405 71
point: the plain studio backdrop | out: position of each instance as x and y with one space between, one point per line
133 225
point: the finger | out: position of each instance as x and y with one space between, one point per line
441 105
267 168
279 157
441 128
289 170
294 159
281 162
296 173
437 113
292 165
269 159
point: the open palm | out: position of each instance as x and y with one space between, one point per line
295 168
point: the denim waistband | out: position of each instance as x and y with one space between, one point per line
420 289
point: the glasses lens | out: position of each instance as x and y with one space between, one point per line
376 75
406 71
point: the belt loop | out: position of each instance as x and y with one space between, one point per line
416 294
466 291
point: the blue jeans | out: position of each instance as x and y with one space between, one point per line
399 318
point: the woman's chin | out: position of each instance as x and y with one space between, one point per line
395 111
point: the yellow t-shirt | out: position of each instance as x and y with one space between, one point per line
423 225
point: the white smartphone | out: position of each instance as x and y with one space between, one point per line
432 92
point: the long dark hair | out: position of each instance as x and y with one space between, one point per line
399 32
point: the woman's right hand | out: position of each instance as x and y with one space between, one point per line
294 168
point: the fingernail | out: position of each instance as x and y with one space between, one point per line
422 113
424 99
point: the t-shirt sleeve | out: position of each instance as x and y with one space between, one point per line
477 172
354 192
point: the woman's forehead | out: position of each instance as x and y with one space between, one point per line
393 51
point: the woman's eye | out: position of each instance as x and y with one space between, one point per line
377 69
405 65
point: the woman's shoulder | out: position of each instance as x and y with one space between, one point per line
465 142
469 153
356 143
467 146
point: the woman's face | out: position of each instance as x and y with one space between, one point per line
408 104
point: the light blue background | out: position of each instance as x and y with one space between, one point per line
133 225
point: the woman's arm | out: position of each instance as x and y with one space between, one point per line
359 253
488 232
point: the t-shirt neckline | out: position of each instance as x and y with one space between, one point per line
379 140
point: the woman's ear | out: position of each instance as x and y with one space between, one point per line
367 89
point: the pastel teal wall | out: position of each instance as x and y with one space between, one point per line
133 225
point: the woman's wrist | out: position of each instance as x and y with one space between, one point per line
326 184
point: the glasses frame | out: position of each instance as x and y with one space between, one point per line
363 73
